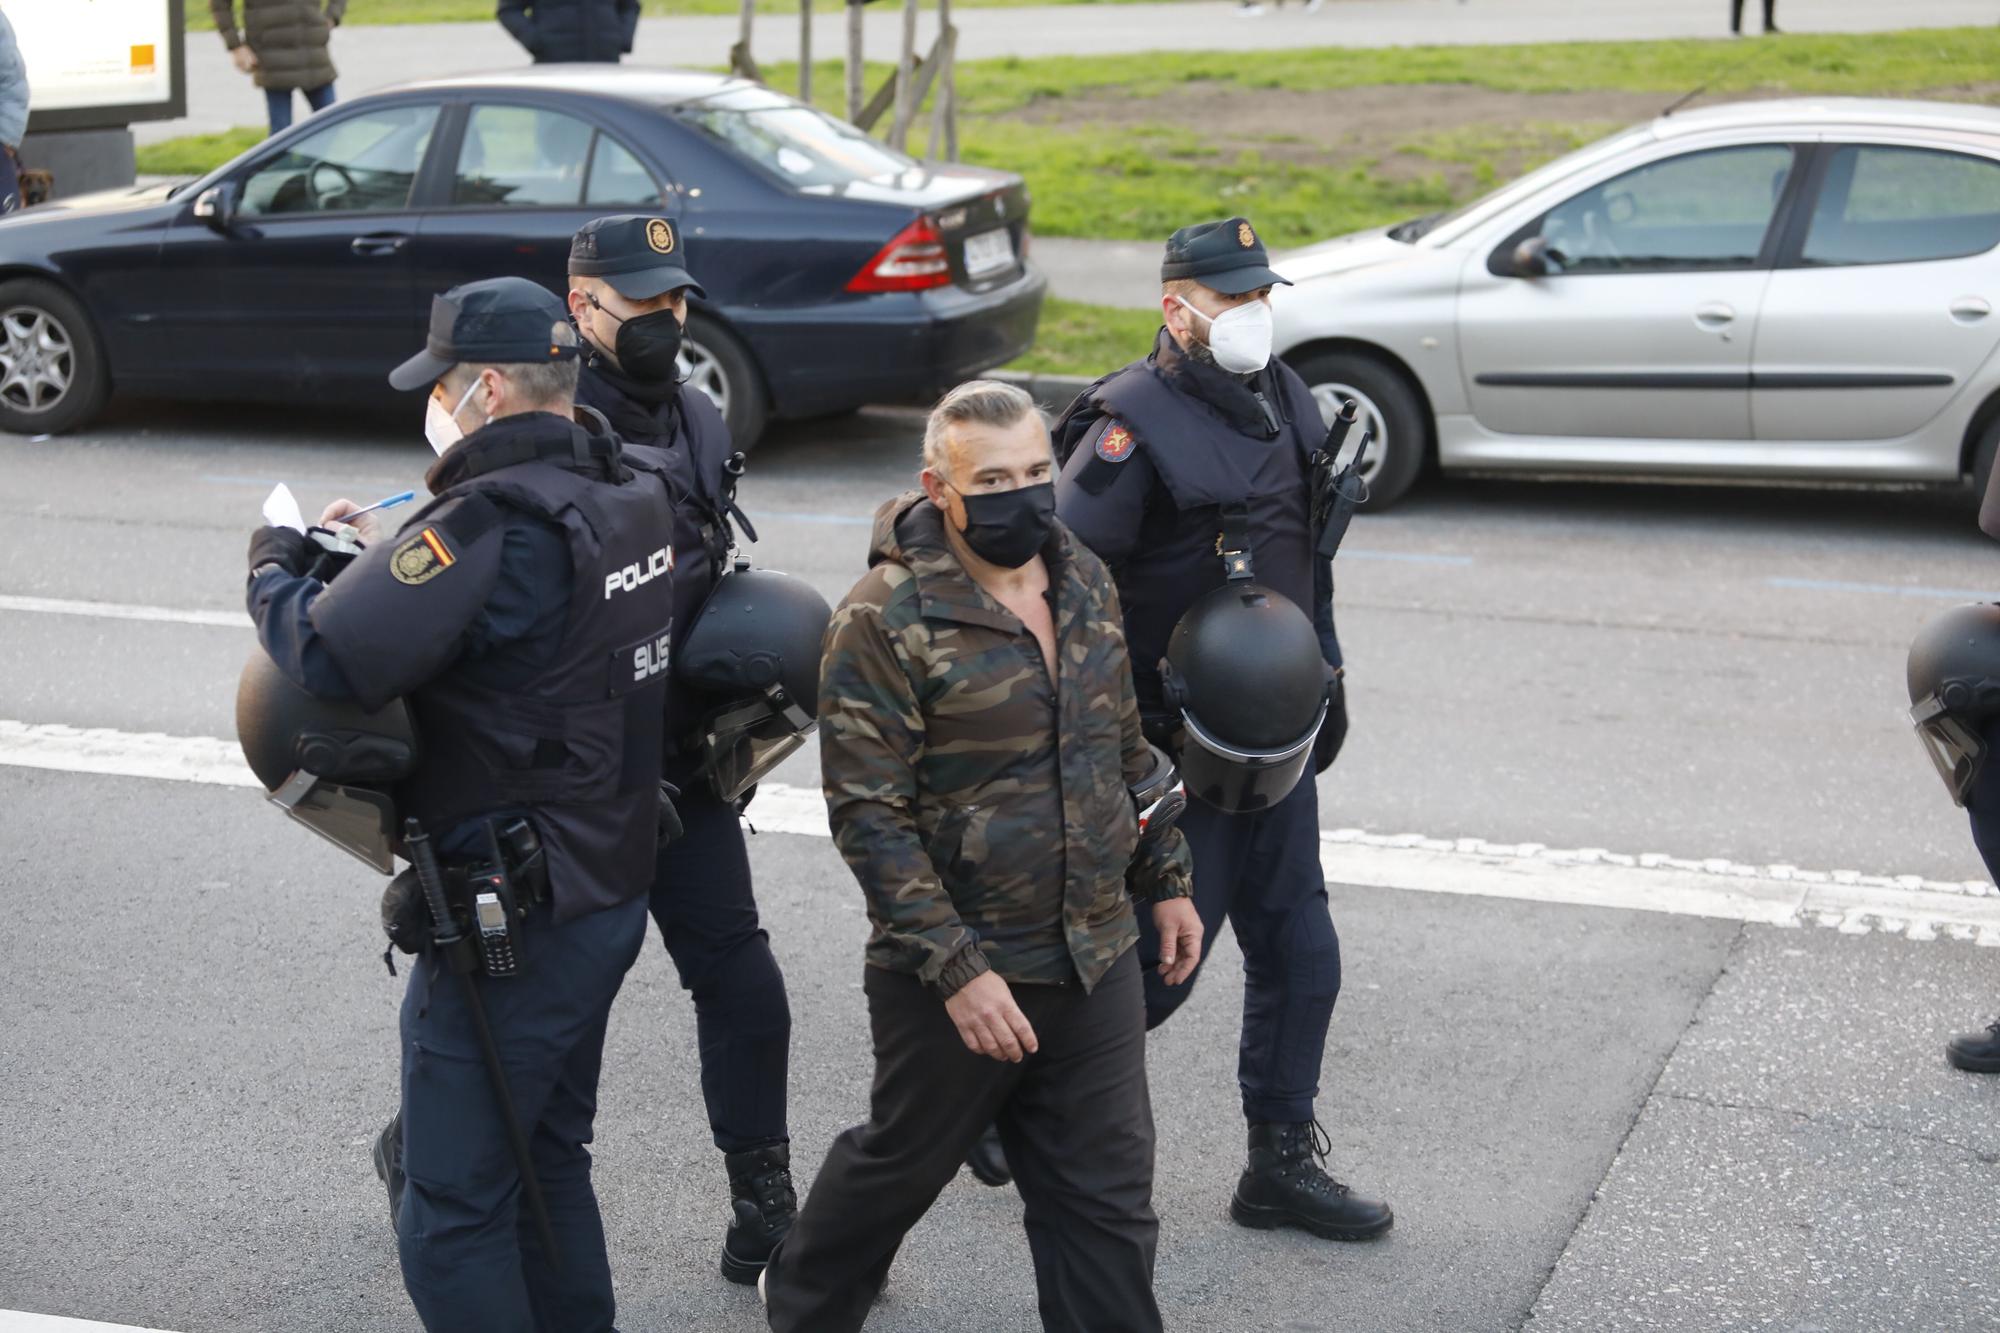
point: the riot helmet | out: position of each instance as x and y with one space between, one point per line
1244 671
1954 680
754 648
328 764
1159 797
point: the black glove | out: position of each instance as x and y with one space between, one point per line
671 827
289 550
1333 733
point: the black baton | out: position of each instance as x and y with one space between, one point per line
453 951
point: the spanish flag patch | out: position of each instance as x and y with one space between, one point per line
421 558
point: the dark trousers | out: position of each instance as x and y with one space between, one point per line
1982 803
1261 871
471 1260
702 903
10 181
1077 1123
1736 15
278 103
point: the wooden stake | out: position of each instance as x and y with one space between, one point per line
806 51
854 71
899 129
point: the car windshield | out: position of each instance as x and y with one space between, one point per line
806 147
1417 228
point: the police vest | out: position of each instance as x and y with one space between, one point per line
576 743
1235 486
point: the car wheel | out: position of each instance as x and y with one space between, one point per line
714 361
1389 410
52 372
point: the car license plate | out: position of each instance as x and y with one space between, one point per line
988 252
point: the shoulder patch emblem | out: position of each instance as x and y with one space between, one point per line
421 558
1115 445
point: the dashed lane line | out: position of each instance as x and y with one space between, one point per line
1773 895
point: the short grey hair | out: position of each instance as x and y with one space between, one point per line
975 403
539 383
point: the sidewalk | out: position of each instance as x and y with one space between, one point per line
375 57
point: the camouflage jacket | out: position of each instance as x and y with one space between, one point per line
985 812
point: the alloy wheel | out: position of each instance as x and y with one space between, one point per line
37 359
701 370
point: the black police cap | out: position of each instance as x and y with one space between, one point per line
1228 257
497 321
639 255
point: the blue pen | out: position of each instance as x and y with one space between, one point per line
401 498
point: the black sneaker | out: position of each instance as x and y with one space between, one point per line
1285 1186
762 1205
988 1160
389 1163
1976 1052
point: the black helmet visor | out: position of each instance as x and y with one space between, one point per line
1955 749
742 743
358 820
1240 781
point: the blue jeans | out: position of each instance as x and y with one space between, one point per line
279 102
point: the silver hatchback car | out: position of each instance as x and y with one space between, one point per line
1765 289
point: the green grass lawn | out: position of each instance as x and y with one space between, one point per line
1079 339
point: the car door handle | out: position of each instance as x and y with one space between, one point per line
1970 309
1714 315
380 243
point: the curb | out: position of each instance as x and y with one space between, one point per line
1053 392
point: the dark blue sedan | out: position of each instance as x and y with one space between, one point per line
839 272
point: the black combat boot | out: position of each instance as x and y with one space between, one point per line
988 1160
764 1204
1284 1186
389 1164
1976 1052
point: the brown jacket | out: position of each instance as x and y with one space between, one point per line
287 36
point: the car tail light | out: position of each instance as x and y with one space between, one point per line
912 261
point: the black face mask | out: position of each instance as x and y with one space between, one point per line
1008 528
648 347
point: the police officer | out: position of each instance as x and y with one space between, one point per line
1194 457
523 614
629 292
1954 680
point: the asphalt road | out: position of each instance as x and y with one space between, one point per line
1694 670
1587 1119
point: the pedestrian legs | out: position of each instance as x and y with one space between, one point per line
1291 962
470 1253
707 918
931 1098
1079 1131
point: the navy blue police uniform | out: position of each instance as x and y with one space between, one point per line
1979 1052
702 900
1164 457
523 614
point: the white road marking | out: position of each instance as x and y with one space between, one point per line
1777 895
20 1321
58 606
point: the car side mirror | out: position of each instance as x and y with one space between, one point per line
217 205
1535 258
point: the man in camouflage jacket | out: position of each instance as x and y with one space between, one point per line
980 739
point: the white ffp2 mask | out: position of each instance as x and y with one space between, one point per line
441 428
1240 337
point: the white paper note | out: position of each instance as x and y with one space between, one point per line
281 509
